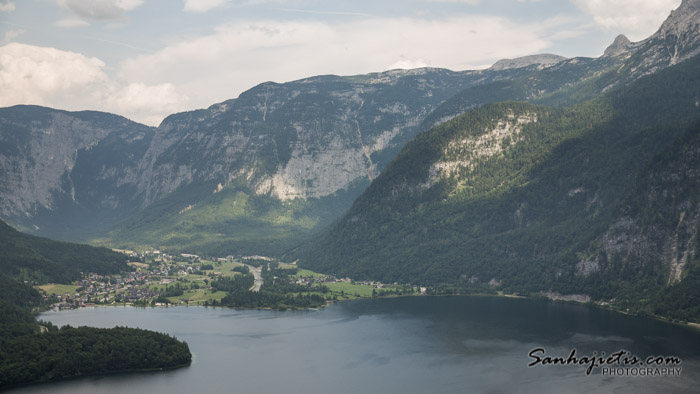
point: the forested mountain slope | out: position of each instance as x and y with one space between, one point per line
29 258
527 198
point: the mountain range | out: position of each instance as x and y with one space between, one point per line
587 185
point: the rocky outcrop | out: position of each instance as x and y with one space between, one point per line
462 155
677 39
541 61
621 46
582 298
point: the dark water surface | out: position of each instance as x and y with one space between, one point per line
396 345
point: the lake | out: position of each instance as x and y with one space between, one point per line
395 345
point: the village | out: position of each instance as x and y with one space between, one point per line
160 279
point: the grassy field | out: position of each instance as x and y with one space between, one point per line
223 267
350 289
198 296
308 274
57 289
125 251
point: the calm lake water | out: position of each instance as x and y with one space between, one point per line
396 345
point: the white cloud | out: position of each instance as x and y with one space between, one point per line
96 10
7 7
148 104
68 80
634 18
238 56
70 22
30 74
198 72
128 5
408 64
200 6
12 34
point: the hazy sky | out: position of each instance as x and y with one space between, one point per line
146 59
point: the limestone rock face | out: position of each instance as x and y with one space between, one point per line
541 61
303 139
58 161
462 155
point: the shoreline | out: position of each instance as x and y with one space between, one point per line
97 375
692 325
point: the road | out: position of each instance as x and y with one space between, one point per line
258 278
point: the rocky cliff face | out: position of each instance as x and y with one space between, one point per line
677 39
462 155
659 226
301 140
304 139
46 157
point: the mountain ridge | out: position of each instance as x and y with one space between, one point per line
282 158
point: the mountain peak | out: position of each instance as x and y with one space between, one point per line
541 60
677 40
621 45
680 32
684 19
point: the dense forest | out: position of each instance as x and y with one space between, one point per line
28 258
32 352
274 294
573 202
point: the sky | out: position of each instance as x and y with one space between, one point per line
147 59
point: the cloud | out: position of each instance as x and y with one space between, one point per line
237 56
70 22
12 34
96 10
408 64
636 19
199 71
129 5
148 104
320 12
7 7
68 80
200 6
30 74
